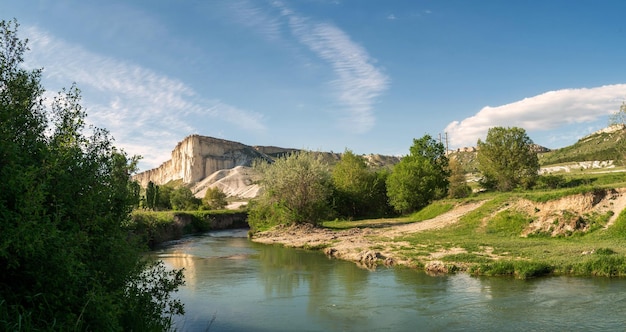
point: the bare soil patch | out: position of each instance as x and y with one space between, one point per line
371 246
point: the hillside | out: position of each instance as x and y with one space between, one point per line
602 145
202 162
598 150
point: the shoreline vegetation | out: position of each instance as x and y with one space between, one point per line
524 235
156 227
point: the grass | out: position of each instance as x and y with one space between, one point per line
433 210
520 256
491 236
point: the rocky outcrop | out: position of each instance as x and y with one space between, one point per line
197 157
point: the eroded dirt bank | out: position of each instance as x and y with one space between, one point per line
371 246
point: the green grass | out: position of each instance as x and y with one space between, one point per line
433 210
520 256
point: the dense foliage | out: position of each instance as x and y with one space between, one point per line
66 260
458 187
214 199
420 177
359 191
296 189
507 160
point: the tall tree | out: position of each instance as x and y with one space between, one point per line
507 159
65 257
151 195
420 177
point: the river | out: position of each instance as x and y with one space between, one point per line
233 284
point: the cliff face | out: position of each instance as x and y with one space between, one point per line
197 157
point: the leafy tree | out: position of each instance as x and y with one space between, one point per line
420 177
65 256
507 159
183 199
214 198
163 197
151 195
458 185
296 189
359 191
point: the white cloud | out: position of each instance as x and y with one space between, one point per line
547 111
391 17
359 82
147 112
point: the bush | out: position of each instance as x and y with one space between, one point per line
67 261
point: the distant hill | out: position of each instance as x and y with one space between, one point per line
599 146
202 162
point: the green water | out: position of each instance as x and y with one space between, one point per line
236 285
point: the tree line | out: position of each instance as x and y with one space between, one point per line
170 197
302 188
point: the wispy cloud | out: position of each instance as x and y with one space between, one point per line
358 81
256 18
145 111
391 17
547 111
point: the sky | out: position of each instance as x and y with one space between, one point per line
330 75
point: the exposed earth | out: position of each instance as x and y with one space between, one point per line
371 246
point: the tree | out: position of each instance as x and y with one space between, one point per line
296 189
358 191
507 160
151 195
420 177
183 199
214 199
458 187
67 262
163 197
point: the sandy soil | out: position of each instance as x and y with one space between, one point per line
365 246
369 246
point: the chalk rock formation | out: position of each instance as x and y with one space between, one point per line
197 157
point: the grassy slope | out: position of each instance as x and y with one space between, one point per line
488 240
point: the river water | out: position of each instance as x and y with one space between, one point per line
233 284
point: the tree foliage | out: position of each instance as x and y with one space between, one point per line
420 177
65 257
296 189
152 196
458 187
183 199
358 190
507 160
214 199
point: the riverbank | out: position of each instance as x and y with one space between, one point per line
155 227
578 234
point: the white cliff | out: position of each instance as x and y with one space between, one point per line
197 157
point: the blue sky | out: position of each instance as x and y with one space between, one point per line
367 75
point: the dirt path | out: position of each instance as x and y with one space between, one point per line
364 246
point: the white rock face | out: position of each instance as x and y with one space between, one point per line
197 157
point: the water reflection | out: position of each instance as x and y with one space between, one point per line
253 287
